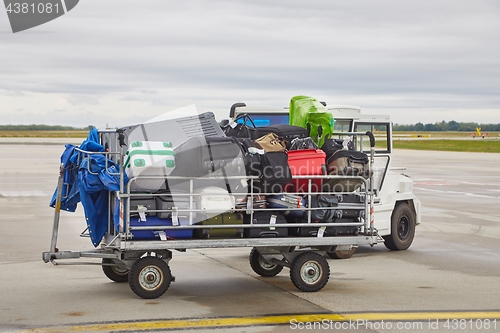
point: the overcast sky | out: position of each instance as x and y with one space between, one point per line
120 62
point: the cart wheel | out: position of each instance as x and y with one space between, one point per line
310 271
341 254
149 277
261 267
403 223
115 273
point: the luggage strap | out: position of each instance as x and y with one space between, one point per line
223 167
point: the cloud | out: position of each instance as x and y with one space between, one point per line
114 56
75 99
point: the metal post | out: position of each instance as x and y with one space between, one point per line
57 212
372 193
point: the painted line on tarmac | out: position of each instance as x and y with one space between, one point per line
222 322
456 193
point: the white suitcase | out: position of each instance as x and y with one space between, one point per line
149 159
213 200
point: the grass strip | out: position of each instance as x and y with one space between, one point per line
472 145
43 134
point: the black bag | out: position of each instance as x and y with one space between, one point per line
267 219
273 173
331 146
251 159
239 128
285 131
323 200
303 143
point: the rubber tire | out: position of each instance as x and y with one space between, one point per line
114 273
341 254
319 266
403 222
259 266
157 269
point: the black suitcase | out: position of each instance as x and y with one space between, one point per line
351 198
328 231
267 219
258 202
176 130
218 158
142 204
333 145
200 156
287 132
347 163
180 203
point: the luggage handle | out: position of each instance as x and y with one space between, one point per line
243 116
362 160
269 234
372 138
222 166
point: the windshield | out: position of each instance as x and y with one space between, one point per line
266 119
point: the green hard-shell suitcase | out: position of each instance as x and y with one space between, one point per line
309 113
222 219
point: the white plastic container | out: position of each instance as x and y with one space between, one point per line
152 159
213 200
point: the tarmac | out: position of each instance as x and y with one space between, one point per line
449 273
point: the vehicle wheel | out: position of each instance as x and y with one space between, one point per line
115 273
149 277
310 271
341 254
261 267
403 223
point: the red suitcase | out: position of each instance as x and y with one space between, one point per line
306 162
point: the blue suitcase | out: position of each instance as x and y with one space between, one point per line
292 205
155 221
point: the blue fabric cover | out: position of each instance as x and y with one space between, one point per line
70 193
88 181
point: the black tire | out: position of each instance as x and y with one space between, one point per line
310 272
149 277
341 254
115 273
403 222
261 267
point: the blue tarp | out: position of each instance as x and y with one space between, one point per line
70 192
87 180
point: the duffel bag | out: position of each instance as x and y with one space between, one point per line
241 127
326 202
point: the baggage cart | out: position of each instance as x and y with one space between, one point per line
144 262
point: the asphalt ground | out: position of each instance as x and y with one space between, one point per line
449 274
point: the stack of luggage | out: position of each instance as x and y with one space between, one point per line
237 175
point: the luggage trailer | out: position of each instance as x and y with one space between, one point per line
144 263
